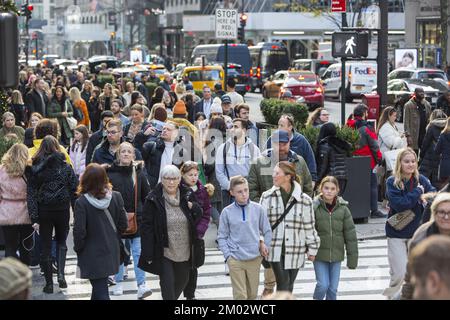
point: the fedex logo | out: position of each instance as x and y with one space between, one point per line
365 71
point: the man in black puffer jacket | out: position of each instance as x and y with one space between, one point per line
331 154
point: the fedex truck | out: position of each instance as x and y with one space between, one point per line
361 77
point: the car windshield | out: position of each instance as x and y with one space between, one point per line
204 75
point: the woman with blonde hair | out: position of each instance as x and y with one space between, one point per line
9 126
292 219
14 218
404 190
18 108
80 107
29 132
106 97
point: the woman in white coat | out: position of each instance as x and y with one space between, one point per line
389 139
388 135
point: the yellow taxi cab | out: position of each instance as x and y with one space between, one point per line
201 75
159 70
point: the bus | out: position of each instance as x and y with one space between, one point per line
267 58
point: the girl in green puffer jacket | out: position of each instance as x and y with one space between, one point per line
334 223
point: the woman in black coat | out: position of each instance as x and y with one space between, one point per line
127 177
331 154
95 234
443 150
429 160
168 233
51 188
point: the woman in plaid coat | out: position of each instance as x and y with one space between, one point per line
296 235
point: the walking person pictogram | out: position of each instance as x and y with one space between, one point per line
350 43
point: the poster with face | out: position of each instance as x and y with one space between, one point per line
405 58
136 56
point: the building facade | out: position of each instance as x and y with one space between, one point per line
423 31
272 20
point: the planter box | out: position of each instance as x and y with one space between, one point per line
357 191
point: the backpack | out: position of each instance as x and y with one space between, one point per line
77 114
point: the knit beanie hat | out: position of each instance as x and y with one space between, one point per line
179 108
216 107
161 114
15 277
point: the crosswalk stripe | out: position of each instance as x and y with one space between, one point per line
366 282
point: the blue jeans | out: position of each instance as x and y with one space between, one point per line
135 246
327 277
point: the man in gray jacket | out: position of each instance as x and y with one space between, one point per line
242 223
234 157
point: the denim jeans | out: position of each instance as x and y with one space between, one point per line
327 277
135 246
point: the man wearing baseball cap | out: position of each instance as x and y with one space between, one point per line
226 106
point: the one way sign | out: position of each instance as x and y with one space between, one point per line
350 44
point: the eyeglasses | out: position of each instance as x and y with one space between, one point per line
111 133
442 214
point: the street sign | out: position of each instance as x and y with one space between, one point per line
338 5
350 44
227 24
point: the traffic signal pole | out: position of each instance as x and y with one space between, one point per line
226 66
27 39
343 76
382 59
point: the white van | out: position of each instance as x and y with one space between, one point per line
361 76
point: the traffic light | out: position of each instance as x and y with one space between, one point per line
241 35
27 11
244 18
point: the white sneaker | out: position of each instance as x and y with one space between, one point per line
125 273
144 292
118 290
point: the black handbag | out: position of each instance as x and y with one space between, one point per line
264 262
199 252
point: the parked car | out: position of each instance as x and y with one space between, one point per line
305 84
400 92
96 61
420 73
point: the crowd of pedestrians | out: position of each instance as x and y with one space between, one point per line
140 178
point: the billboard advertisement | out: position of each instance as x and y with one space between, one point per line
406 58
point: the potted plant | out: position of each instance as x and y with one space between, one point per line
272 109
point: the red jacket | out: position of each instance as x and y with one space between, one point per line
368 142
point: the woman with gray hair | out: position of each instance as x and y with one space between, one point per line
168 231
438 224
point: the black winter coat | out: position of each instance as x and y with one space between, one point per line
121 178
126 129
154 236
95 242
95 139
34 103
332 152
443 149
152 152
102 155
52 184
29 136
429 160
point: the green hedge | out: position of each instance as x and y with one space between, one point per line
272 109
151 86
104 79
345 133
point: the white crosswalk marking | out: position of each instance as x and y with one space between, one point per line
367 282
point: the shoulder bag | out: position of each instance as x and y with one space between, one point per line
132 216
71 121
401 219
264 262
